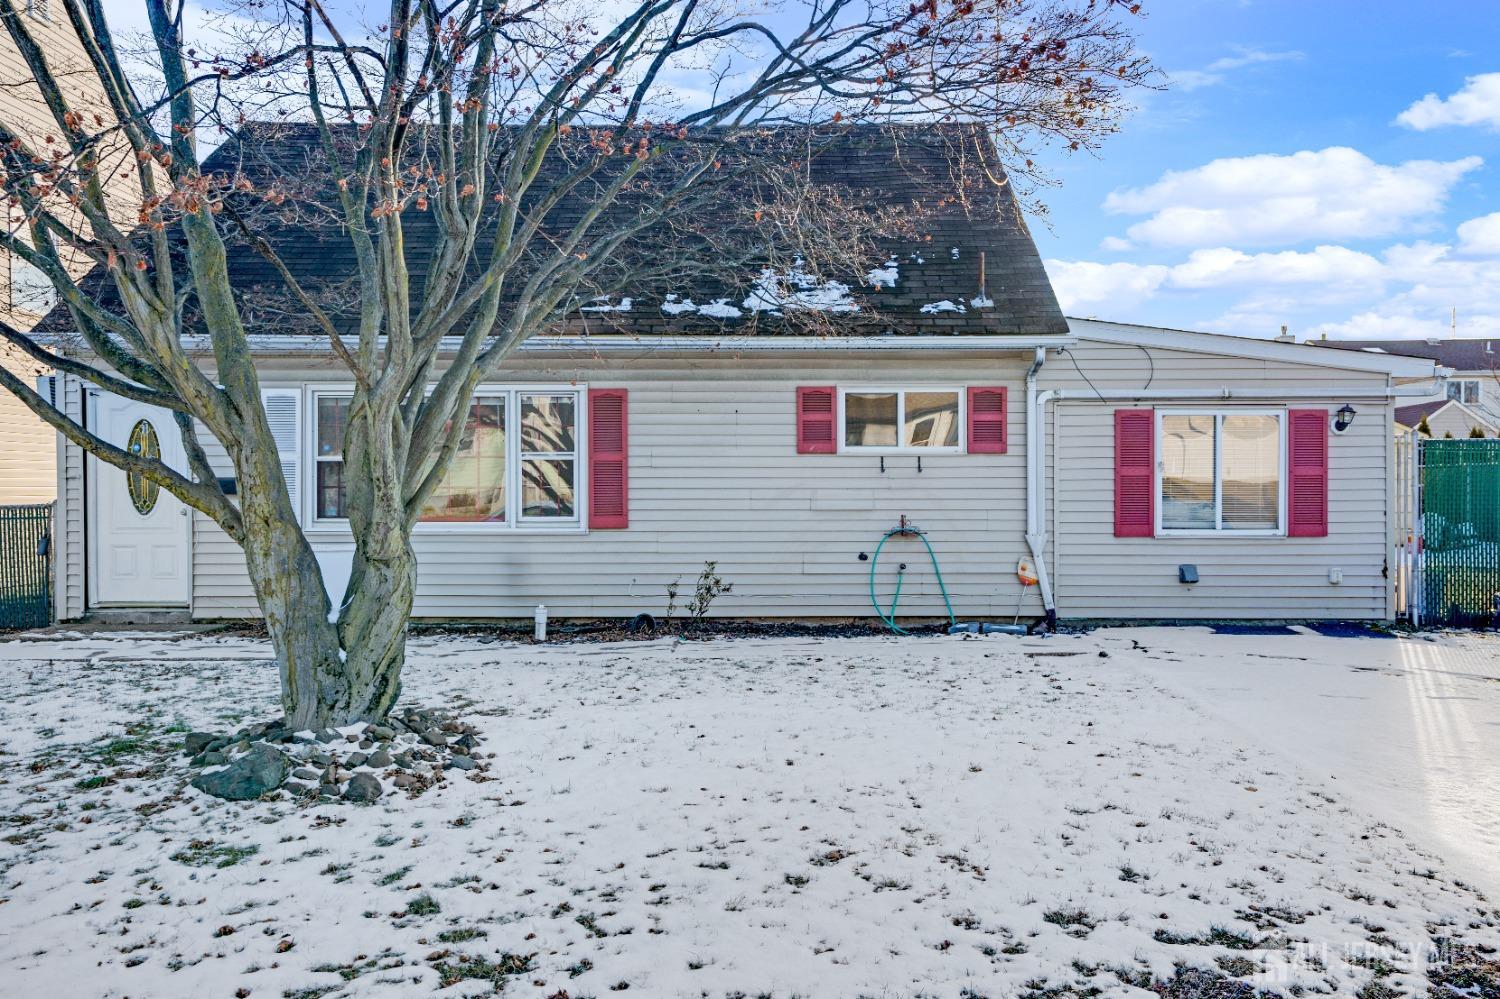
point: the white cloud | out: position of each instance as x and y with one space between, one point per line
1481 235
1216 71
1334 193
1477 103
1433 280
1334 272
1082 284
1114 244
1382 324
1376 325
1324 265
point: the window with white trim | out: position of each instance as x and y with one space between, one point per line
915 419
331 498
513 441
549 455
1221 471
1465 390
472 490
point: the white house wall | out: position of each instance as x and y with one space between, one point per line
69 548
714 475
1102 576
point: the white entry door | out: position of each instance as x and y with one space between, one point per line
140 532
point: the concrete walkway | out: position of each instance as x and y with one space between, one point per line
1407 728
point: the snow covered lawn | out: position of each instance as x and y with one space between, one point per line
1406 728
939 817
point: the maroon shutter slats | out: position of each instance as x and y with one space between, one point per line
609 459
1135 468
817 420
987 420
1307 473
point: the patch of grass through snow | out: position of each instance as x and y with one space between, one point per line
464 967
202 853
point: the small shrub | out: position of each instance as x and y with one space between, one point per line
671 596
710 587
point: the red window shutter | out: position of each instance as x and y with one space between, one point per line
1135 473
609 459
817 420
1307 473
987 420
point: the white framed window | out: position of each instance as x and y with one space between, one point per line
330 418
1220 472
923 420
519 462
473 489
548 446
1465 390
39 9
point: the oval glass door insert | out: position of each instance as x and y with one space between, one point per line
143 443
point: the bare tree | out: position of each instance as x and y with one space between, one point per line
561 150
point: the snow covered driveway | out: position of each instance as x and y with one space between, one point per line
1408 727
937 817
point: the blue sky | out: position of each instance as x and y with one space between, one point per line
1295 171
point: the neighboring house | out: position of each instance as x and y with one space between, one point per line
1444 418
599 465
1474 386
28 448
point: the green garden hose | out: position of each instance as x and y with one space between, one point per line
890 617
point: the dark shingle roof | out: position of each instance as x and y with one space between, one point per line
962 211
1410 416
1458 353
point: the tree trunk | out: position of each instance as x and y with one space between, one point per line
335 669
372 628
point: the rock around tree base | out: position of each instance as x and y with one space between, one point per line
411 751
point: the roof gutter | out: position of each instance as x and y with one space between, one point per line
301 344
1224 393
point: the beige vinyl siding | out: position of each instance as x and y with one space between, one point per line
1101 576
28 452
714 475
28 448
1456 422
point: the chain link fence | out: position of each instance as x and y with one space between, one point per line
25 560
1460 520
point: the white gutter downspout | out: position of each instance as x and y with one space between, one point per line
1036 437
1036 482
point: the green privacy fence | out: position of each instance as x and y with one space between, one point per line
25 583
1460 531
